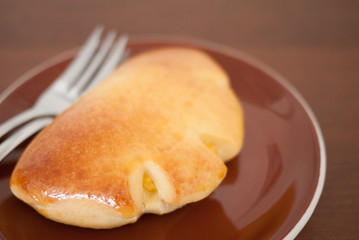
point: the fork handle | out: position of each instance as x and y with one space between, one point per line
17 120
22 134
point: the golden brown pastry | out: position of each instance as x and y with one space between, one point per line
151 138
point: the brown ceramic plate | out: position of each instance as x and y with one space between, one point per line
271 188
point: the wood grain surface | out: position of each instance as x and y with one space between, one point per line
314 44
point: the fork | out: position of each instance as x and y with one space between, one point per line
92 64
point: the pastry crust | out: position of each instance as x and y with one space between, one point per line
152 137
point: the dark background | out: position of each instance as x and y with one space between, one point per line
314 44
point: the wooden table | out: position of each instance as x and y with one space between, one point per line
314 44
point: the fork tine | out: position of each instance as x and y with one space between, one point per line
71 73
22 134
117 54
93 65
61 83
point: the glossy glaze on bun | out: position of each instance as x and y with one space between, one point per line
152 137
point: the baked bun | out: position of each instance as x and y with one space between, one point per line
151 138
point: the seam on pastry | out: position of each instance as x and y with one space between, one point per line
160 179
157 201
225 149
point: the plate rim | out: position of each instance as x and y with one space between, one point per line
229 51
